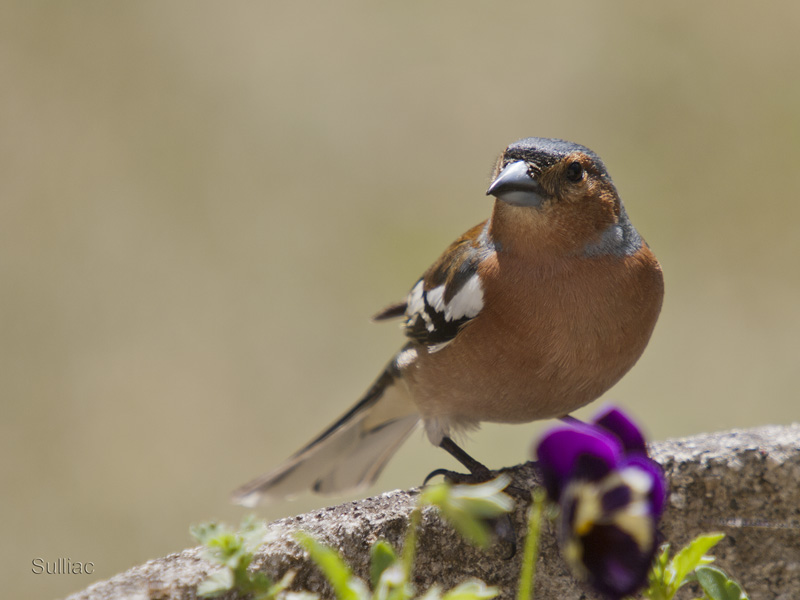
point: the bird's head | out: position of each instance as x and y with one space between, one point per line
558 192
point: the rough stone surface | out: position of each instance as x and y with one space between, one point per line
744 483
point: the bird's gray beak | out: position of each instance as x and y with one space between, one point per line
514 186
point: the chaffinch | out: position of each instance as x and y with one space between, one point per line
529 315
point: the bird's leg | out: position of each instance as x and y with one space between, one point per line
478 472
476 468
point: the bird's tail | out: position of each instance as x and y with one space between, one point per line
350 454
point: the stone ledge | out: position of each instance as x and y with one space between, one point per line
745 483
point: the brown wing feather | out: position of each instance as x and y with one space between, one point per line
392 311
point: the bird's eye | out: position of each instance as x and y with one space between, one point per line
574 171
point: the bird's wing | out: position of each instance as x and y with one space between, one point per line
449 295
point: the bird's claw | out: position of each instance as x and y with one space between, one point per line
458 478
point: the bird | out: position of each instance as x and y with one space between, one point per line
529 315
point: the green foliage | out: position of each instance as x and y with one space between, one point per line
472 589
718 586
345 585
690 557
466 507
234 550
382 556
410 543
527 573
668 576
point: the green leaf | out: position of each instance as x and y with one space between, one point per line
262 587
394 584
388 574
689 558
216 584
657 588
224 546
234 550
475 531
473 589
662 560
410 541
302 595
284 583
382 557
434 593
253 533
345 585
718 586
484 500
205 531
466 507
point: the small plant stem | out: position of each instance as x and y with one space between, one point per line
410 543
527 574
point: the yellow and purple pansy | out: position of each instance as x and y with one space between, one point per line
611 496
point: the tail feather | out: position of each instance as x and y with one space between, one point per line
347 456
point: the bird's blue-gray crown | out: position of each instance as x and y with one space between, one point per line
545 152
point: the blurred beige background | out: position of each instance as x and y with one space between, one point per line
202 203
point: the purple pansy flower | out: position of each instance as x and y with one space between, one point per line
611 496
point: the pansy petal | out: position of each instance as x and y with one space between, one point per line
558 453
616 498
618 423
590 467
658 491
615 563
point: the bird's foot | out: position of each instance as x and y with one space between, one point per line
478 472
460 478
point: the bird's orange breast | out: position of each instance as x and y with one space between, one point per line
552 337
